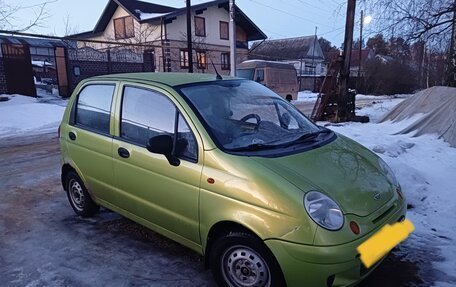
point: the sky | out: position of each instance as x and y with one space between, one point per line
277 18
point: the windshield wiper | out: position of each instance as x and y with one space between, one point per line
308 137
255 147
304 138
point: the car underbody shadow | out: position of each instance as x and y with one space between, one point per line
410 264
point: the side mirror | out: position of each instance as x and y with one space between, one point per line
163 144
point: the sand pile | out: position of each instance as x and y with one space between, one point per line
438 106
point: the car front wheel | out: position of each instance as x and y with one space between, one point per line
239 259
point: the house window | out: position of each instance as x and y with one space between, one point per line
224 31
200 26
225 61
201 59
124 28
184 58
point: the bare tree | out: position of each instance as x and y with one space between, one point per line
8 15
429 22
413 19
69 28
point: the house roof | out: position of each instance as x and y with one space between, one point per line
355 59
283 49
133 7
34 42
145 12
264 64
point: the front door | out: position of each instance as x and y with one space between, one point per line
148 186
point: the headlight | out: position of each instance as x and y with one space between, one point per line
323 210
388 172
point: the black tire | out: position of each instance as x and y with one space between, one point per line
239 259
79 198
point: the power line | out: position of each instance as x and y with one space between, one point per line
289 14
313 6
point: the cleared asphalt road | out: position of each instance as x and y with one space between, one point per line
43 243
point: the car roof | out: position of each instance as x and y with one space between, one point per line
170 79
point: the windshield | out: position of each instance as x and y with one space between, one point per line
245 73
242 114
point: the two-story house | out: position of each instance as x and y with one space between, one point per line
161 31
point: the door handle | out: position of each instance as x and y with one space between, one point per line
72 136
123 152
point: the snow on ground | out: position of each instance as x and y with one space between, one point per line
307 96
23 114
426 168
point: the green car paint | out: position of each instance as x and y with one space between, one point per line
263 194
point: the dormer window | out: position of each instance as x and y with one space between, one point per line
124 27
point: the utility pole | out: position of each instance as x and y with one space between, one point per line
189 37
343 112
313 60
451 71
300 74
232 29
361 24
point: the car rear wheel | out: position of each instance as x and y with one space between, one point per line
79 198
239 259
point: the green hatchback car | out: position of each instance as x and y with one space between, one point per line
231 170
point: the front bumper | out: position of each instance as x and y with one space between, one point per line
325 266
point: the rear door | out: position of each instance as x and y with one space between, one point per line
89 137
147 185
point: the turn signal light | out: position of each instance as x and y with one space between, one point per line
355 227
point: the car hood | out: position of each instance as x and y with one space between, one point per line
343 169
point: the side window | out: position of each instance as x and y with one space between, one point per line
145 114
259 75
93 108
186 146
286 120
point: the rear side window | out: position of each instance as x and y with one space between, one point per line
93 109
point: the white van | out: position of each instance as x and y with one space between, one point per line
277 76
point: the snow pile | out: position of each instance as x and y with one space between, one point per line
437 106
307 96
23 114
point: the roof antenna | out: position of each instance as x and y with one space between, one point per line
218 75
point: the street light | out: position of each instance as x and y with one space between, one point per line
367 20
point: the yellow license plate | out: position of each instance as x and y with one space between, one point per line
379 244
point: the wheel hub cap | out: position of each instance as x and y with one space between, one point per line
76 194
243 267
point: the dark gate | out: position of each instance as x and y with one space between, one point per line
149 61
18 69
